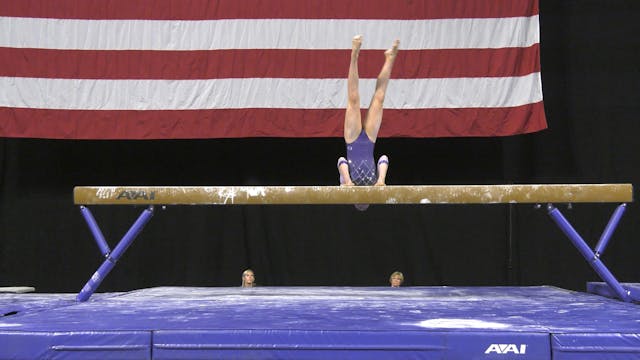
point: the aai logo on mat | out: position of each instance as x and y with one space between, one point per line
506 349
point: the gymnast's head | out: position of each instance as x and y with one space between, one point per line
361 207
248 278
396 279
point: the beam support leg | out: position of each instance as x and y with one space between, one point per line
115 255
593 260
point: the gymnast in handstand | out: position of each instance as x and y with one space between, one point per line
360 136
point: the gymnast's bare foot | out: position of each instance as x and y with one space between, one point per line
379 183
390 54
347 184
356 43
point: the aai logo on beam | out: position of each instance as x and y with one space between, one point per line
136 195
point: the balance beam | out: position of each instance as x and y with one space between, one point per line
336 195
327 195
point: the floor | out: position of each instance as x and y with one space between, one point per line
540 322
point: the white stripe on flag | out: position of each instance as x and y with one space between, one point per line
265 33
91 94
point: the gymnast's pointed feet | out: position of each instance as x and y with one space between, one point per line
390 54
356 43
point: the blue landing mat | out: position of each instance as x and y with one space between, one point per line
600 288
322 322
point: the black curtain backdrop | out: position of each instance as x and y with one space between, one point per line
591 82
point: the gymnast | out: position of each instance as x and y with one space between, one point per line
248 278
360 136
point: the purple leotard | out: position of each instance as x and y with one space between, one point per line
362 168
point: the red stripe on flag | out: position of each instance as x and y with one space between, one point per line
129 64
234 123
275 9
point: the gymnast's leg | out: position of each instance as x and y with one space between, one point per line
352 118
383 165
374 116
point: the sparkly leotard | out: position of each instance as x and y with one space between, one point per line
362 168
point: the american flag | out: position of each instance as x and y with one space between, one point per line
170 69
